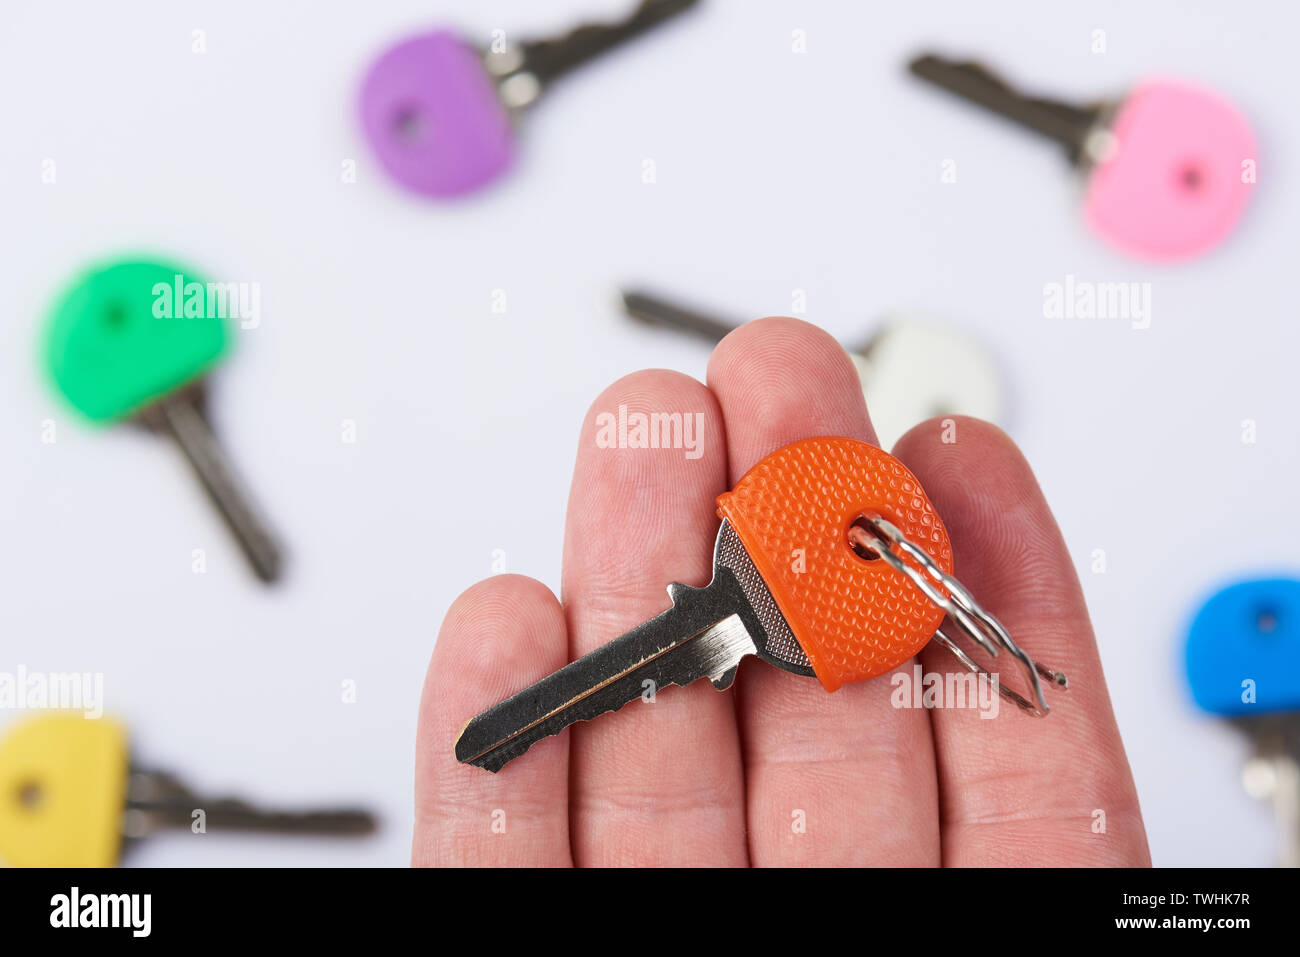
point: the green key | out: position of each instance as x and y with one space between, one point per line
133 340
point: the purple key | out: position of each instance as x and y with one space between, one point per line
439 113
434 118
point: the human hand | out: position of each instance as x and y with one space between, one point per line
703 777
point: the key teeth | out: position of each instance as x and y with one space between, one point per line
724 681
492 761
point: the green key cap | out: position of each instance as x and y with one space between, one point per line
133 339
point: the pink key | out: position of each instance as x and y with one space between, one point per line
1181 170
1169 170
439 113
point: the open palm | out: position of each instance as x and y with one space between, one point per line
775 771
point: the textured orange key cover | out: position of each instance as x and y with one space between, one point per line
854 618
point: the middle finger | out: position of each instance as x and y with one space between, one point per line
842 778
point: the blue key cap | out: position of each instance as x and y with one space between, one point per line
1243 651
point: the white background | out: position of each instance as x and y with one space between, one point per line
775 172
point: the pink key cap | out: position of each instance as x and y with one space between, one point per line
1173 187
1173 176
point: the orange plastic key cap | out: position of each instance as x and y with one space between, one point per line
855 618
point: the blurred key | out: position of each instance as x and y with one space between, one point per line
912 369
70 797
117 351
1243 664
439 112
1164 165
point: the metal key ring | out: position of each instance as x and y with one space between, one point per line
875 534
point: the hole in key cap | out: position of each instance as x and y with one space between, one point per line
863 539
409 122
1191 177
115 315
1266 621
30 795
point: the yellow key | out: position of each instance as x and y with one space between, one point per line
62 789
69 796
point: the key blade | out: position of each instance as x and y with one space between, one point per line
678 647
654 309
1273 772
549 59
181 416
158 800
1066 124
229 814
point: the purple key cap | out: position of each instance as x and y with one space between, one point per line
434 118
440 119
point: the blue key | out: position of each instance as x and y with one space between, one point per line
1243 663
1243 652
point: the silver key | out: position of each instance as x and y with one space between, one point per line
705 634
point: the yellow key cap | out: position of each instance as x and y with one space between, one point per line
69 795
63 782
